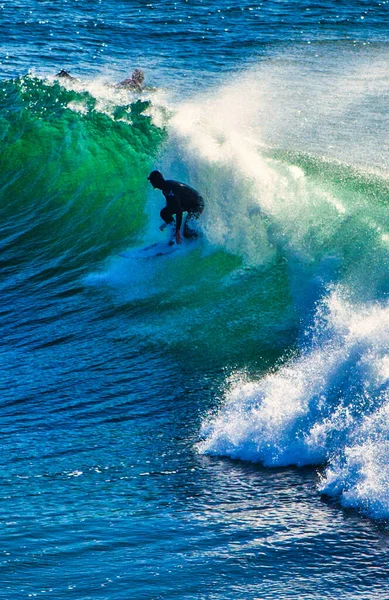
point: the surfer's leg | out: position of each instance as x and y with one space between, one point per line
191 230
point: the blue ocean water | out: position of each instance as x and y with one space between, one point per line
212 424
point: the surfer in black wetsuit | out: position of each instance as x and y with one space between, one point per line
180 198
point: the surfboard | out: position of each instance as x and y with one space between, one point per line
152 251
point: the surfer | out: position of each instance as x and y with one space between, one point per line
180 198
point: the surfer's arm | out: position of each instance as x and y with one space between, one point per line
178 220
174 206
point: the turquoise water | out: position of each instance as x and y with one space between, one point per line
212 424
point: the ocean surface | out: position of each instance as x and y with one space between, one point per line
212 424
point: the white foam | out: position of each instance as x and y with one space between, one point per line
328 406
255 205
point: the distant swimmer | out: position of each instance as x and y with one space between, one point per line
135 82
180 198
65 75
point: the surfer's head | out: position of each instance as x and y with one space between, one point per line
138 76
156 179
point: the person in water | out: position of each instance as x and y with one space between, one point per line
180 198
65 75
135 82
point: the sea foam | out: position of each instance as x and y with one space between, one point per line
328 406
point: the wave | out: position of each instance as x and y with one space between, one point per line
282 225
326 221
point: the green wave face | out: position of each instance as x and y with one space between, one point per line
72 176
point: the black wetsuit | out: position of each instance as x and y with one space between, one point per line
181 198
